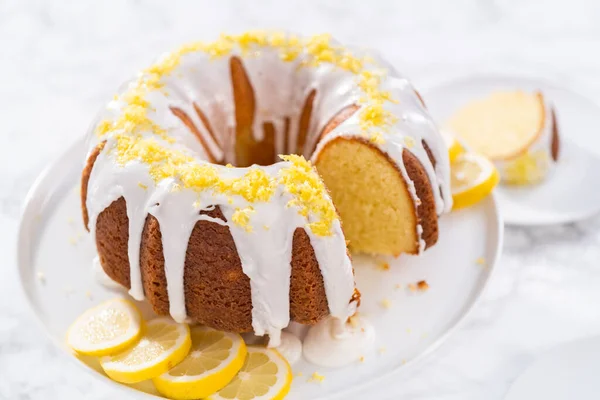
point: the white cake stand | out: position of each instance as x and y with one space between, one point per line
55 258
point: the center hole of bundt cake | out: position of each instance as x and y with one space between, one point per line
255 137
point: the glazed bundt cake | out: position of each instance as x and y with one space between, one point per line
191 209
515 129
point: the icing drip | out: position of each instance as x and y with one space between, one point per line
180 112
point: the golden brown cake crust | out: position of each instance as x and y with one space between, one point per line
426 212
85 178
112 240
555 145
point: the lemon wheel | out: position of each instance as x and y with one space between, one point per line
214 359
163 345
108 328
264 375
473 177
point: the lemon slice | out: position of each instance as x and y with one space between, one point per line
108 328
265 375
473 177
212 363
162 346
454 147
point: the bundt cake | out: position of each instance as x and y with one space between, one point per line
191 210
517 130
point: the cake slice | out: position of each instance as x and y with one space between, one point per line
517 130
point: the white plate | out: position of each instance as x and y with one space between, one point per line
55 257
570 192
568 372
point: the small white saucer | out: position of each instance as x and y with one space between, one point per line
567 372
571 191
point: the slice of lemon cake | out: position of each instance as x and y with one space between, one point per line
517 130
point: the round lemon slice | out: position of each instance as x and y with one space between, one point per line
454 147
473 177
265 375
214 359
163 345
106 329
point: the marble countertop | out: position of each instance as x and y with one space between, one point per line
60 61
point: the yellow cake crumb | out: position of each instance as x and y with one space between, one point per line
408 331
382 350
398 286
383 265
316 377
140 184
353 321
386 303
72 241
41 276
480 261
361 359
421 286
299 374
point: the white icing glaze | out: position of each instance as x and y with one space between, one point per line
290 347
102 278
280 89
334 344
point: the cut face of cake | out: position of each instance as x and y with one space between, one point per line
517 130
194 205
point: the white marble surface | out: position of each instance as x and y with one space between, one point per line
61 60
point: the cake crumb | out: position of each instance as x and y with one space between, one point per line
398 286
266 227
70 220
140 184
408 330
421 286
316 377
72 241
403 361
386 303
88 294
41 277
382 350
481 261
383 265
299 374
353 321
424 335
361 359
